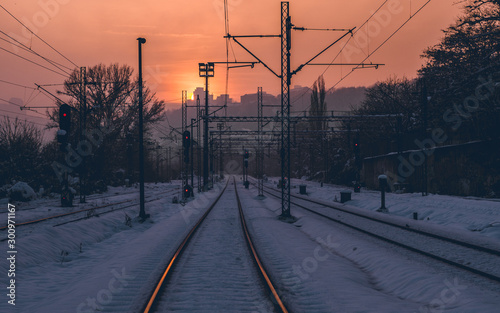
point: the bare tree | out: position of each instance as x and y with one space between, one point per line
111 101
20 144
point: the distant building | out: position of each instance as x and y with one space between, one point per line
199 91
251 99
221 100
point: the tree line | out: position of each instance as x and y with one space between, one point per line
109 101
456 91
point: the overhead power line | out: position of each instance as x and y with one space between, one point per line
382 44
343 47
18 113
8 116
21 107
18 85
30 50
370 53
9 102
38 64
1 6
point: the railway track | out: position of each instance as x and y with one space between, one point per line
57 202
92 210
212 269
482 261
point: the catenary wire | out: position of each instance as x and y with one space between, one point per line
1 6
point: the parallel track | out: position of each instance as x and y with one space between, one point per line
84 210
465 249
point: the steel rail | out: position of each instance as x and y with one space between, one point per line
71 213
160 284
421 232
430 255
256 257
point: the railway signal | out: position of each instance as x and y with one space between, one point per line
65 117
357 161
66 197
186 191
357 187
245 158
64 124
355 147
245 168
186 143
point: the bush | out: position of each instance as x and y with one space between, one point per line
21 192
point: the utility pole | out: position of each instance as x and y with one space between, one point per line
286 75
260 150
169 164
425 104
158 163
198 140
220 127
184 165
211 158
142 212
206 70
192 155
83 122
286 27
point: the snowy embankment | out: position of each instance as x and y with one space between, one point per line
99 264
324 267
479 216
103 265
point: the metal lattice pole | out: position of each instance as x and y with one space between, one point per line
220 127
260 150
286 27
205 138
198 138
83 126
184 165
191 160
142 211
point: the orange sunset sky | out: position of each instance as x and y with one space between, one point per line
180 34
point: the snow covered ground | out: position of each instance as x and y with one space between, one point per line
481 216
102 265
327 268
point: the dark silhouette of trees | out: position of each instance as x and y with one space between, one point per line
20 146
318 104
462 71
112 104
389 114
